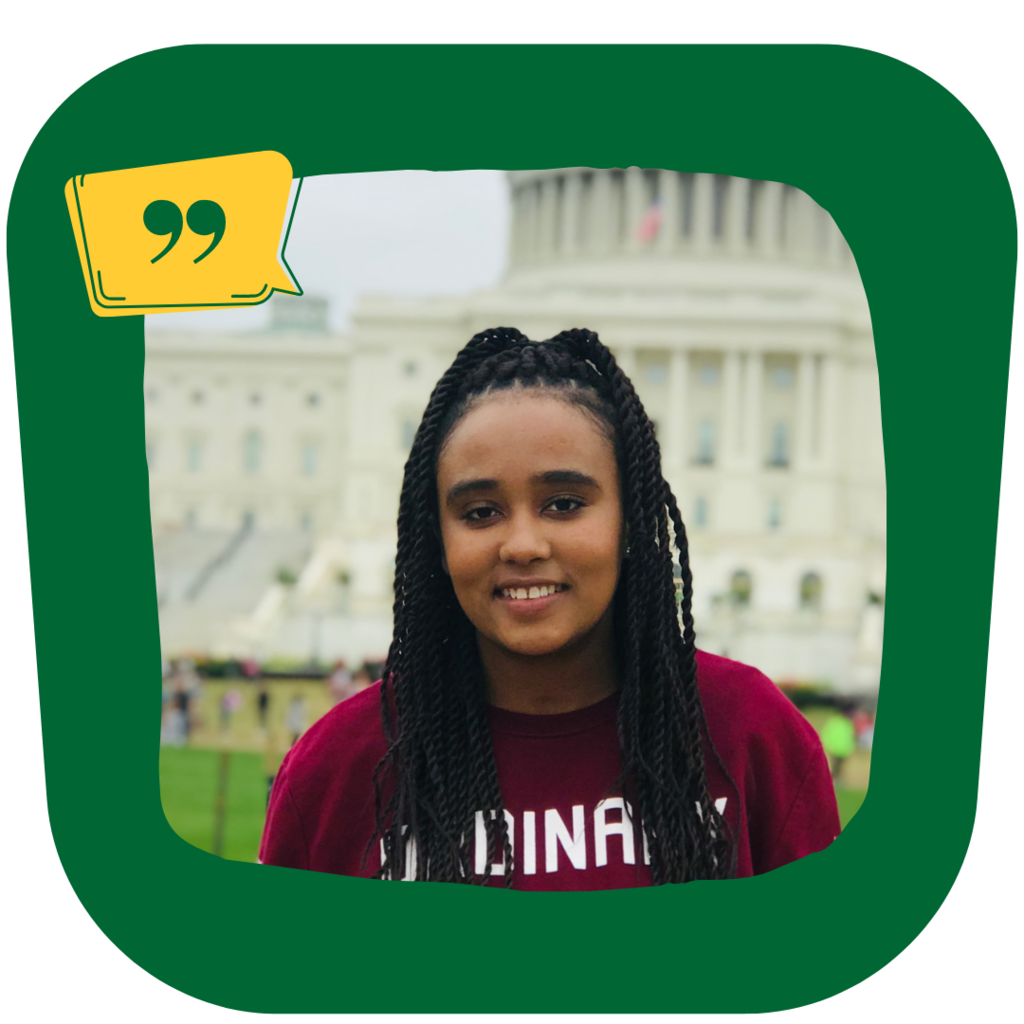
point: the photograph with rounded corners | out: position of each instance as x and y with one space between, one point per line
727 317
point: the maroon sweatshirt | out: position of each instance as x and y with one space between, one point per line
556 773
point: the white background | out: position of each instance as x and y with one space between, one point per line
56 963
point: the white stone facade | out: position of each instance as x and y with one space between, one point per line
735 307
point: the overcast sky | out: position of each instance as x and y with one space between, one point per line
403 232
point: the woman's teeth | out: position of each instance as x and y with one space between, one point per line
523 593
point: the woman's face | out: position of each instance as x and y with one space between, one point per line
531 520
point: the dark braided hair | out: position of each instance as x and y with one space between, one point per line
439 769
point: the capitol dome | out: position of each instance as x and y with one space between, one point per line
582 215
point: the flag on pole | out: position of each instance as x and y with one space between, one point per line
647 229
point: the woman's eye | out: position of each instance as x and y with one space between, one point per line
566 504
478 515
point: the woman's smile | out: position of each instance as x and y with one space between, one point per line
530 599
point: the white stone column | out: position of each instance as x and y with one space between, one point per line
768 221
516 241
731 402
753 388
812 227
617 212
829 411
737 198
833 242
600 214
670 192
809 211
819 231
635 205
799 224
790 225
806 388
547 218
674 447
572 201
702 214
528 234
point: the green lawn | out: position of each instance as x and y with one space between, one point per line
188 788
849 801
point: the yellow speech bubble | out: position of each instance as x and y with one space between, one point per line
200 234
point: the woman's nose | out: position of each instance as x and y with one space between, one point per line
524 541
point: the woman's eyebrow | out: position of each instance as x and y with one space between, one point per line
465 486
552 476
566 476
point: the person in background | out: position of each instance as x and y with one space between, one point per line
263 705
339 684
229 704
839 740
174 719
864 726
295 717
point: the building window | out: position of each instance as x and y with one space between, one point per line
657 373
309 459
708 376
194 456
706 442
778 452
741 587
198 398
700 513
252 452
810 590
152 395
408 435
782 378
774 514
255 398
312 399
409 368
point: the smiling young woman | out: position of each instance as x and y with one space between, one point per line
544 720
531 522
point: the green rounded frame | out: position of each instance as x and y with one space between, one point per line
917 189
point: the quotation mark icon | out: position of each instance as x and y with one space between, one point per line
204 217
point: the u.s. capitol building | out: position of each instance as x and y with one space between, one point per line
735 306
